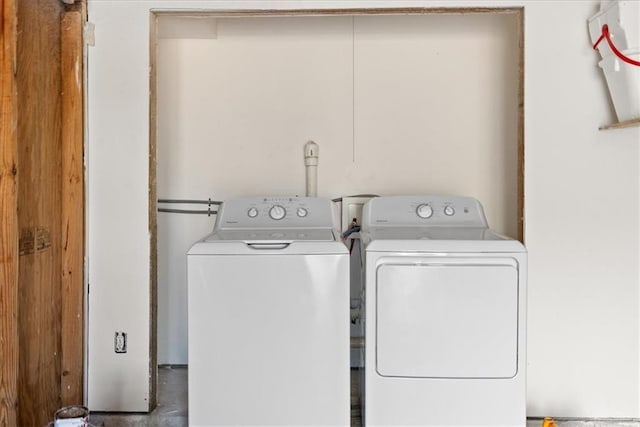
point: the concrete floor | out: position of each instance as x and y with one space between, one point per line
170 412
172 408
586 423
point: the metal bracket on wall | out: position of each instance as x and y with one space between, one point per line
89 33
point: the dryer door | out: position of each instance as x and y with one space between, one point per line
447 318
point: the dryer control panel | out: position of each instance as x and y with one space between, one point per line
275 212
427 210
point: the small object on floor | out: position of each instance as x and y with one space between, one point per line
71 416
548 422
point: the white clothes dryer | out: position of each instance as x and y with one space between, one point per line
445 315
268 310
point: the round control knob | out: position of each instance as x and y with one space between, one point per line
449 210
302 212
252 212
424 211
277 212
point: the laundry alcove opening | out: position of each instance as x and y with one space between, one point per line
400 102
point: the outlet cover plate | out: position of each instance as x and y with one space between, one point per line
120 342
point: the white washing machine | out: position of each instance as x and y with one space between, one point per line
445 315
268 304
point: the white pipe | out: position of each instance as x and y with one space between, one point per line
311 166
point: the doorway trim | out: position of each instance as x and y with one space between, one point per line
259 13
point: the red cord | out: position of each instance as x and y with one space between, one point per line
605 35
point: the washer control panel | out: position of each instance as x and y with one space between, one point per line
275 212
425 210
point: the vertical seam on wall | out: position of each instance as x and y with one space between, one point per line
353 89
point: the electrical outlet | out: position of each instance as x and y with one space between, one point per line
120 342
352 208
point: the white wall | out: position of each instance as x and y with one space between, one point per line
117 214
581 210
393 106
581 230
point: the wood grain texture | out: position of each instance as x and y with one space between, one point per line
153 214
78 6
342 12
520 132
8 218
72 210
39 209
622 125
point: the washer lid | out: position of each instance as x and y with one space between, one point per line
268 247
272 235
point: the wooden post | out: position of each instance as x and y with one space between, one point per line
72 209
520 141
39 210
8 217
153 215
